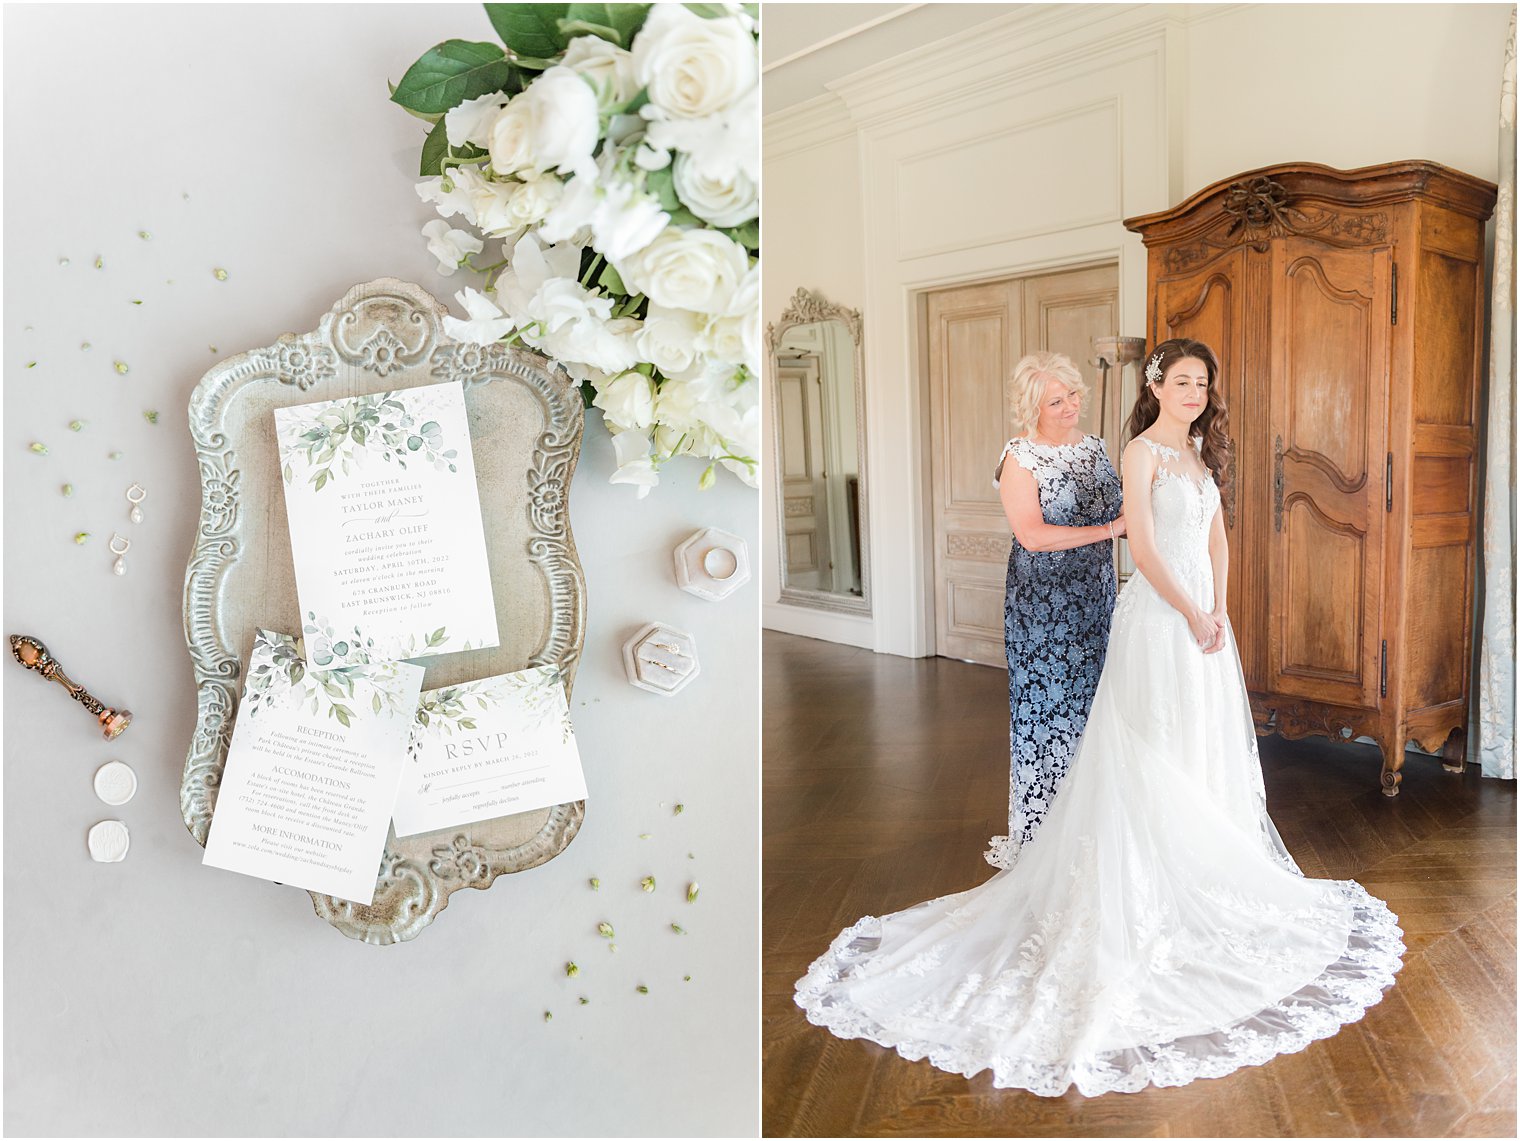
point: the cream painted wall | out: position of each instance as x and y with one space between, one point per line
850 211
1347 85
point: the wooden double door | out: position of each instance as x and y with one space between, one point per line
975 334
1309 425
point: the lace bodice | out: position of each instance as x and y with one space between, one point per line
1182 508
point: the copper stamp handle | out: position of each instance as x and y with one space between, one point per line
32 654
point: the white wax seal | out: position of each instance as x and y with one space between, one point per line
109 841
115 782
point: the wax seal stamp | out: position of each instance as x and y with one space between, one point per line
34 656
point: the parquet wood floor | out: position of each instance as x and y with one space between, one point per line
885 776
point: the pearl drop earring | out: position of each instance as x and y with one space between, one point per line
119 567
136 514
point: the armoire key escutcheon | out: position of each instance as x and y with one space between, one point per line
1346 308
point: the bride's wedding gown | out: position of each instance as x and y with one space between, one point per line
1154 930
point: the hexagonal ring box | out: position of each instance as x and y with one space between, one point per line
712 564
661 659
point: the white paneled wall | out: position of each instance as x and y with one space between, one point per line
1019 145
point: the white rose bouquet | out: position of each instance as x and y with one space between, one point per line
611 153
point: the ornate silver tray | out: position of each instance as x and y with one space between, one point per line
525 423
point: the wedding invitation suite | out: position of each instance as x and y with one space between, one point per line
312 770
385 530
489 748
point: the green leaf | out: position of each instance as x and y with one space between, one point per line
681 216
414 442
610 280
452 72
297 672
437 636
433 118
434 148
321 480
616 22
529 29
343 713
376 703
747 235
639 99
662 184
707 11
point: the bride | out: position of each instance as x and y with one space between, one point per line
1154 930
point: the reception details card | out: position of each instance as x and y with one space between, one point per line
385 527
312 770
489 748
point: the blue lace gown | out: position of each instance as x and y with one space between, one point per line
1055 628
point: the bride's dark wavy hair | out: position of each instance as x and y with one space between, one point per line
1212 424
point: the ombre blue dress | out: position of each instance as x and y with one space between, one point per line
1055 627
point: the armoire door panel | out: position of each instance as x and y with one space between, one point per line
1329 364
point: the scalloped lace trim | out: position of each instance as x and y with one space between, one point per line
1337 997
1002 851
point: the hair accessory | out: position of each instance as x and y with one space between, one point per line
136 514
1153 370
34 656
119 567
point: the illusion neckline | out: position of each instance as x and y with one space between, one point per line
1036 444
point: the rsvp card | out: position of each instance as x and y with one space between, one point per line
312 769
385 530
489 748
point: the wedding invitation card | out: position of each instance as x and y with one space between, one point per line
312 770
385 530
489 748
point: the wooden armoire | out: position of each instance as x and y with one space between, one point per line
1346 308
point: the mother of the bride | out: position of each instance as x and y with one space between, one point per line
1063 501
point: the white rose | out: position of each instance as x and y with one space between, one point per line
566 121
693 66
669 339
450 247
687 269
627 400
510 139
717 201
470 122
607 67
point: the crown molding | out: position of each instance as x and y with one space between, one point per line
821 120
1023 44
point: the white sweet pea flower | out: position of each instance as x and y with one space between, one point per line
734 336
717 201
607 345
635 463
719 147
530 265
452 202
607 67
622 217
687 269
693 66
487 323
668 339
470 122
627 401
450 247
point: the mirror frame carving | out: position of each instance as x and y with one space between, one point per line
805 308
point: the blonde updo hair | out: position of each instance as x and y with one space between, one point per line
1030 376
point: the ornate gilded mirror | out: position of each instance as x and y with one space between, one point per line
817 402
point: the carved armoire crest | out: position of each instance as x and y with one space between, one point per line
1347 311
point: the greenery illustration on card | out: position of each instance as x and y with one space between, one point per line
385 526
488 748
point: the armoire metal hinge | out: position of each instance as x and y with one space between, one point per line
1393 308
1383 681
1388 484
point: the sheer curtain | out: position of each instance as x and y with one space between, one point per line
1496 678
